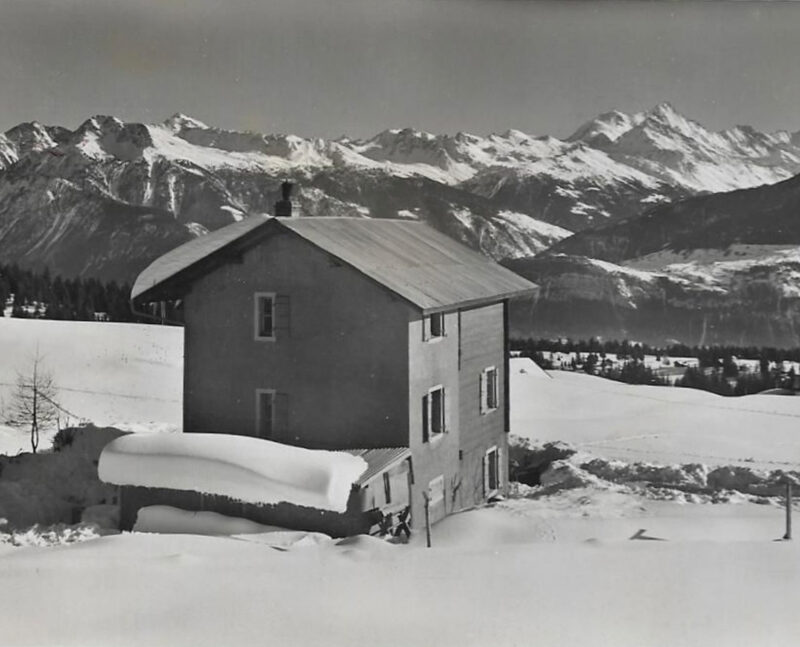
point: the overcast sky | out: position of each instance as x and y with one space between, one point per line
332 67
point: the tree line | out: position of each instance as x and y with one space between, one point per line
707 356
717 371
39 295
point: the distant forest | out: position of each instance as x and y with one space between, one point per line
717 369
707 356
42 296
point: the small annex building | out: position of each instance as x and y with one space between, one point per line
378 336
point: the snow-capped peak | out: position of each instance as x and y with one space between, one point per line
665 117
30 136
514 135
608 126
180 121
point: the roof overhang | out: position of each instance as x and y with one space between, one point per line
170 276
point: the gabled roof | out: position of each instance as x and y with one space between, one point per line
423 266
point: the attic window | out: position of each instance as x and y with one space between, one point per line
265 316
437 325
433 327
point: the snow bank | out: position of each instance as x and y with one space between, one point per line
690 474
693 476
562 474
244 468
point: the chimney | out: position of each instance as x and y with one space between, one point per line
283 207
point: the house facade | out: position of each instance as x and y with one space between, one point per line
346 334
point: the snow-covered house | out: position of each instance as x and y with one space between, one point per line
350 334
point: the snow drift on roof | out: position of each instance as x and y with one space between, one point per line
249 469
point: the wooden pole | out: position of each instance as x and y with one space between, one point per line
788 534
427 519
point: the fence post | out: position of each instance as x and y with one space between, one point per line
427 518
788 534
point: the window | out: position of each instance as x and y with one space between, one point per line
265 413
433 414
488 390
491 471
433 327
265 316
437 325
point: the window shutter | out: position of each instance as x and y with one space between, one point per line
482 390
426 328
282 316
447 413
425 418
485 475
265 421
499 469
281 416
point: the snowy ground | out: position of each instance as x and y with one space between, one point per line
565 565
653 423
123 375
494 577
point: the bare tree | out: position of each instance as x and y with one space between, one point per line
33 402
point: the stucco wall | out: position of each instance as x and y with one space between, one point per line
342 364
482 346
474 342
433 363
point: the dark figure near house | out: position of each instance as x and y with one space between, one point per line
402 523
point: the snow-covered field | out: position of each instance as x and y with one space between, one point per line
660 424
125 375
558 565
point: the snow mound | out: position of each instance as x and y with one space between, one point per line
563 475
244 468
690 474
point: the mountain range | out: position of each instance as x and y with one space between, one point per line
632 225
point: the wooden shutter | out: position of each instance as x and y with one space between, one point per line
485 475
265 404
425 418
280 405
499 469
446 412
282 323
482 391
426 328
